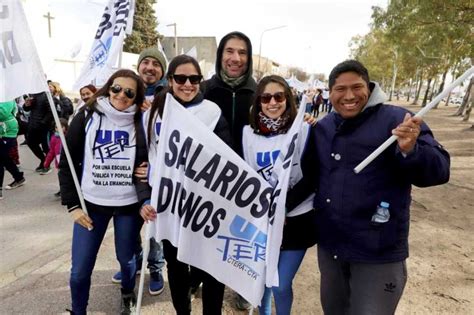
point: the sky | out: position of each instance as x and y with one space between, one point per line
315 34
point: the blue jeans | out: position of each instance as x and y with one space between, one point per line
156 261
85 246
288 264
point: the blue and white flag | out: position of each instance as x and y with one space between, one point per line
223 217
116 21
20 67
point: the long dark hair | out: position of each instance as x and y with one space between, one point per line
159 101
257 106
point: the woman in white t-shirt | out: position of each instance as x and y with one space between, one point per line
272 115
106 143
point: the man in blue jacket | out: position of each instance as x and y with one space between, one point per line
361 255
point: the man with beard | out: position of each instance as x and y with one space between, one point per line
232 88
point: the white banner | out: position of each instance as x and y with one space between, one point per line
20 67
116 21
215 208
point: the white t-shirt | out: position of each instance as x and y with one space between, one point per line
261 152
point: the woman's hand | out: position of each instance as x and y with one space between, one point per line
141 172
145 106
80 217
148 213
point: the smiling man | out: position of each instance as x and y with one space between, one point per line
233 87
362 248
151 67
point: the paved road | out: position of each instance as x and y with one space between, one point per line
35 247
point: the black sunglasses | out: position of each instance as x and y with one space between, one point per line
181 78
265 98
128 92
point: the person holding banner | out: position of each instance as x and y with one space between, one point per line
106 143
363 219
151 67
184 75
232 88
272 115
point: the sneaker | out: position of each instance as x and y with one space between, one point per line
39 168
241 303
58 194
156 283
16 184
1 193
117 277
45 171
129 304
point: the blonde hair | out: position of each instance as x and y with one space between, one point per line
57 88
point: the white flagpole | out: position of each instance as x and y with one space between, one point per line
66 152
146 250
421 113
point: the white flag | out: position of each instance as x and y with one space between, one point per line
279 180
213 206
192 52
20 67
116 21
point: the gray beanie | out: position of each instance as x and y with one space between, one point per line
153 52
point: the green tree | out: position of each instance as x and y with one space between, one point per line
144 32
416 40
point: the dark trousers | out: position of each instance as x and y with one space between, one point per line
349 288
38 142
6 161
179 278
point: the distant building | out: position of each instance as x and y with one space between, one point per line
264 66
205 50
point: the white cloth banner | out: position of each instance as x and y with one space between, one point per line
20 67
108 42
222 216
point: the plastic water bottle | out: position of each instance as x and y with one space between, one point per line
382 214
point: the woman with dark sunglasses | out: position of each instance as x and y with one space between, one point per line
184 76
271 116
107 143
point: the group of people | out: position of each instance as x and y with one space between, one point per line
361 259
31 116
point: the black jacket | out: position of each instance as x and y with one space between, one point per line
41 116
235 102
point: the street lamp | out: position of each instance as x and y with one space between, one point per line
260 49
175 39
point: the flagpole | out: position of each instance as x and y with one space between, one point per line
421 113
146 250
66 152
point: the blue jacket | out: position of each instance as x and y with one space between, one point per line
345 201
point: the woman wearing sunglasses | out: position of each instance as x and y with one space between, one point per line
184 76
271 117
106 143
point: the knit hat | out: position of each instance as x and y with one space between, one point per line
153 52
